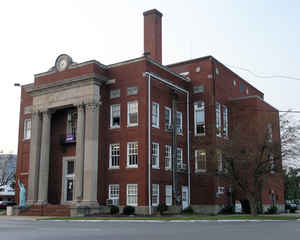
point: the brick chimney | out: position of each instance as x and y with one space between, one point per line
152 34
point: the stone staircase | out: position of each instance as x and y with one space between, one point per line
46 210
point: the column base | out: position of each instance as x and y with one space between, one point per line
42 202
88 203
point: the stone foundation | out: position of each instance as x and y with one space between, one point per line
206 209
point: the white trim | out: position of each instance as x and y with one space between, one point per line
201 109
110 156
136 198
111 115
167 190
27 131
156 166
115 200
65 177
170 157
197 168
180 129
129 124
137 154
218 120
156 116
168 125
157 196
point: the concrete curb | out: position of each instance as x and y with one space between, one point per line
164 221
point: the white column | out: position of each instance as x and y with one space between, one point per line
79 163
34 161
44 159
90 186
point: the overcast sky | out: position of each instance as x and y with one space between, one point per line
260 35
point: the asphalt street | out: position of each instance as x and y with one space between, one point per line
31 230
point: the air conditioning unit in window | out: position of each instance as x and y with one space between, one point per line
179 131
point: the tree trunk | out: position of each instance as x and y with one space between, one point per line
253 206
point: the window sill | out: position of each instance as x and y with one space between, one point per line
168 169
199 135
111 128
113 168
132 125
153 167
200 171
26 139
155 127
129 167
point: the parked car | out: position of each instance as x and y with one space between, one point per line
4 204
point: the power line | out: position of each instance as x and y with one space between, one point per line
264 76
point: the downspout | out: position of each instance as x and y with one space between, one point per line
149 145
149 127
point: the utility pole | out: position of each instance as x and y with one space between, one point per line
174 150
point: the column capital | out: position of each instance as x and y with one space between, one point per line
92 106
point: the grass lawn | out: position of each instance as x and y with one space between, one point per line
169 218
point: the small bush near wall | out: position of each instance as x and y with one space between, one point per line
128 210
188 210
227 210
162 207
272 210
114 210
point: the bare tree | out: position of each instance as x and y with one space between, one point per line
249 160
290 140
7 171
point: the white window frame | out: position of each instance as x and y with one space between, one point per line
27 128
114 193
270 133
155 115
155 155
66 177
132 197
168 157
220 190
111 115
179 157
225 121
179 129
201 110
219 157
113 155
155 194
135 153
168 124
218 119
131 109
169 195
201 153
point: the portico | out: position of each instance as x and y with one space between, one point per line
84 94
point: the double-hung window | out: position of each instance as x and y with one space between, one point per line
179 122
155 155
218 119
114 155
132 116
199 117
270 133
179 158
155 194
169 195
219 161
27 128
168 157
115 116
114 193
132 154
225 121
168 118
155 115
132 194
71 126
200 160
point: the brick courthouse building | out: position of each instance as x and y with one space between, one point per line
94 134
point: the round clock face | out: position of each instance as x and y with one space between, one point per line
63 62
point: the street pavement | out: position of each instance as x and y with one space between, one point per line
30 229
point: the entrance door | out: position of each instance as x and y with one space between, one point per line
68 179
185 197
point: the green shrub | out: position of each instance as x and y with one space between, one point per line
272 210
293 209
227 210
114 210
128 210
162 207
188 210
